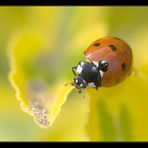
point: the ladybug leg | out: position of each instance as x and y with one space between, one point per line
74 70
103 65
79 91
97 88
97 82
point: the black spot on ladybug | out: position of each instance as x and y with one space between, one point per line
123 66
97 44
113 48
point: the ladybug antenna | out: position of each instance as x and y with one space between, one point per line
72 83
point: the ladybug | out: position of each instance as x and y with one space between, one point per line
109 62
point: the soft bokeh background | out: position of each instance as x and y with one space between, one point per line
118 113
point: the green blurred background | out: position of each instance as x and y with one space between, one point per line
71 30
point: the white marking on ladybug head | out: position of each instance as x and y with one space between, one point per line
76 81
92 85
101 73
81 85
79 69
81 63
96 63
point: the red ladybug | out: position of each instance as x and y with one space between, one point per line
110 61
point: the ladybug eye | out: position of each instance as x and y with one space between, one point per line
97 44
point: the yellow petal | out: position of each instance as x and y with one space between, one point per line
36 97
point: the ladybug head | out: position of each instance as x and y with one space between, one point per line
79 82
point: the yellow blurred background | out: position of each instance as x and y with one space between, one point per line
63 33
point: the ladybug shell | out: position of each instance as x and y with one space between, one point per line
117 53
